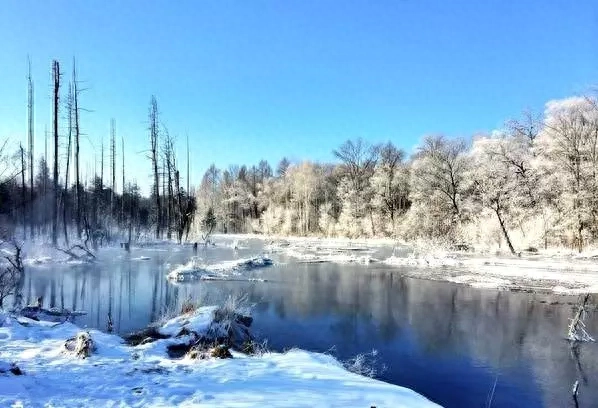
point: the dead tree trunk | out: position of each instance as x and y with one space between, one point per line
153 120
77 172
68 164
179 224
122 201
168 158
188 179
113 165
31 164
56 77
24 206
44 219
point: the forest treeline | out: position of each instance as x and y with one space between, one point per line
532 184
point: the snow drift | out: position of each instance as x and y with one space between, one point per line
118 374
195 269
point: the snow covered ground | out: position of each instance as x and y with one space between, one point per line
196 269
556 271
310 250
120 375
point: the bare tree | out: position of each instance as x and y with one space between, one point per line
30 137
153 123
77 149
12 274
68 163
122 201
358 161
56 78
188 177
394 189
444 168
168 160
23 192
112 164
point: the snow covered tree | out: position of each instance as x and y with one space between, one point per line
358 163
568 148
438 186
390 183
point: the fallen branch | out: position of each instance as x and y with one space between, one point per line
90 257
577 329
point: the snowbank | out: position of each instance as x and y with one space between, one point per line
426 261
119 375
195 269
557 274
324 250
198 322
341 241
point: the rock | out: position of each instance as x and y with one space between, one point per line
10 368
144 336
178 350
198 353
244 320
220 351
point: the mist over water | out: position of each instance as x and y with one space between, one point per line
446 341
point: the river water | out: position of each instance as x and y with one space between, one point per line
452 343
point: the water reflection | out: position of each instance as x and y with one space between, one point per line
448 342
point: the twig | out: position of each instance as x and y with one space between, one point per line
492 392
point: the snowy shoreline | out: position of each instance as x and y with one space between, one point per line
566 276
551 271
144 375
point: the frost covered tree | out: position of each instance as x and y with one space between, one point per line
303 180
438 187
568 147
358 163
208 194
390 183
495 186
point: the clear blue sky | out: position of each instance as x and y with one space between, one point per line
264 79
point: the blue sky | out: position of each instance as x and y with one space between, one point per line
248 80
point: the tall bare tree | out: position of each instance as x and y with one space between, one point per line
30 137
188 178
153 128
122 201
56 78
77 147
112 164
23 188
69 106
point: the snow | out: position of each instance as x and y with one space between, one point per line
325 250
431 261
195 269
313 240
480 281
197 322
228 243
120 375
141 258
553 273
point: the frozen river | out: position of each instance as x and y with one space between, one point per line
446 341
